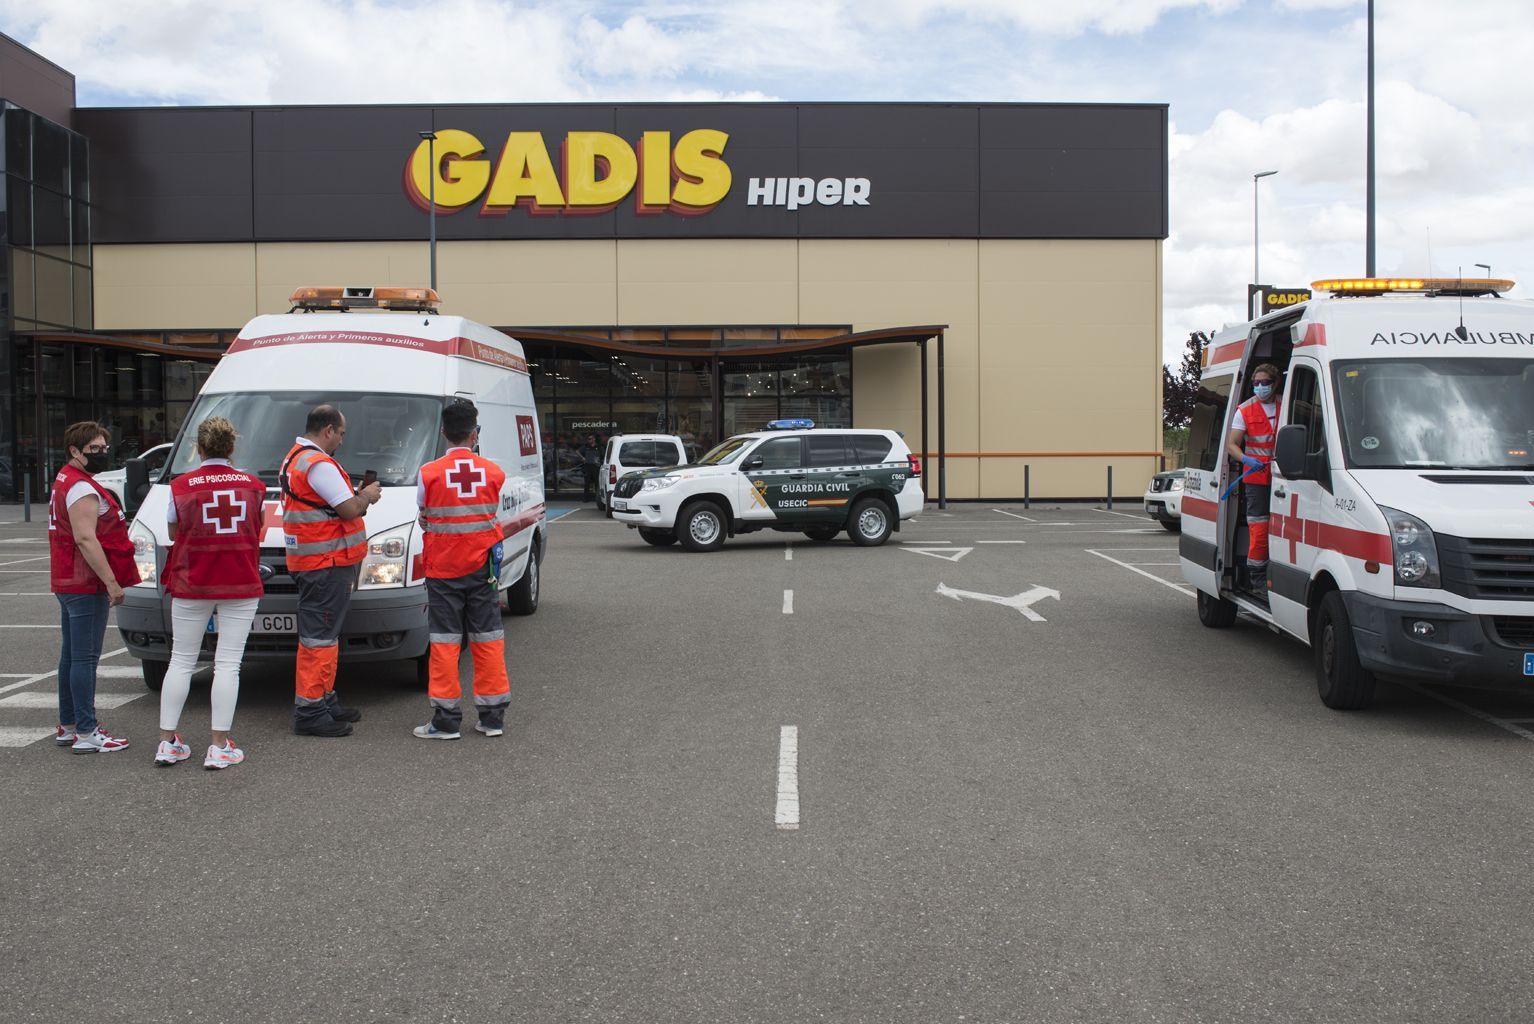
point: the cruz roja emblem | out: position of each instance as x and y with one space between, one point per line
1023 602
759 493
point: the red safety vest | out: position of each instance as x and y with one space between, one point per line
316 537
69 572
216 556
1260 436
463 493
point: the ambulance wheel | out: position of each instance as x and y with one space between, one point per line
1341 679
821 534
154 673
659 538
870 523
522 596
1172 525
701 527
1215 612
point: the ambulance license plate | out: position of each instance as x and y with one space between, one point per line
279 622
620 506
1528 664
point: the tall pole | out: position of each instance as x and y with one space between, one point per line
431 198
1256 270
1369 169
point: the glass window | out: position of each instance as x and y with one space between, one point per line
1305 407
84 307
870 449
18 143
742 415
690 377
818 375
23 297
50 155
592 376
726 452
829 449
55 291
780 453
634 376
79 167
540 367
149 384
390 434
1208 423
751 380
830 411
80 218
50 223
691 419
668 454
58 370
18 207
637 454
179 385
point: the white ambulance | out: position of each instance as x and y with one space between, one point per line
390 363
1401 539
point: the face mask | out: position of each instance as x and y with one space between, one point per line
1263 391
97 462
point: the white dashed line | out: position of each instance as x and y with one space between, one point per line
1014 515
1148 575
787 814
788 554
788 602
1001 542
1113 512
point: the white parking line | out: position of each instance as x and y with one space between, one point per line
18 561
788 553
40 625
1115 512
1501 723
787 812
37 699
23 735
1001 542
1014 515
788 602
1148 575
29 680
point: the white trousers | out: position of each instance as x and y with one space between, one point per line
189 624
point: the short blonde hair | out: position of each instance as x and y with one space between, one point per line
215 436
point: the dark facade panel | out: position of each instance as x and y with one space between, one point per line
169 175
35 83
926 171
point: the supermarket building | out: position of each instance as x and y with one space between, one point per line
689 268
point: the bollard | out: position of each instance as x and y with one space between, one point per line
1110 487
1027 501
26 498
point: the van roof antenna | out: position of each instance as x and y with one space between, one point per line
1460 331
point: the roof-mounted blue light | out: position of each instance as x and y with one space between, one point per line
791 425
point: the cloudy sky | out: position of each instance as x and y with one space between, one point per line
1254 85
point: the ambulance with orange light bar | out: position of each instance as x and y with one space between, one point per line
1401 503
390 362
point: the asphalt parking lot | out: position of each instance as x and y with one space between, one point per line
992 771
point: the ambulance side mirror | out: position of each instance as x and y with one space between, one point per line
135 485
1289 451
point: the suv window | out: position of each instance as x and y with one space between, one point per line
639 454
829 449
779 453
871 448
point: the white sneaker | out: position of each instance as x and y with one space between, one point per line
99 742
171 752
65 737
489 730
431 732
223 757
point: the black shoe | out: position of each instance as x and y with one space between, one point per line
322 727
341 714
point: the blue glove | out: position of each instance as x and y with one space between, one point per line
496 554
1251 462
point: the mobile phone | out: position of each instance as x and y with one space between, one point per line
369 476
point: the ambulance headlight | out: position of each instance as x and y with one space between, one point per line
144 554
385 562
660 483
1413 550
1177 484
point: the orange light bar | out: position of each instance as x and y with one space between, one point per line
352 297
1438 285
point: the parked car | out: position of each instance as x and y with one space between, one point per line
628 452
116 480
1163 499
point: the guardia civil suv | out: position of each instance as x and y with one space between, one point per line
790 477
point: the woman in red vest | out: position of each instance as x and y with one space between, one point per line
214 517
90 561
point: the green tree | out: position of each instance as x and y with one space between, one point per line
1179 390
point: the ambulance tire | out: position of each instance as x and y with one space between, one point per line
1215 612
701 527
1341 679
822 534
870 523
659 538
522 596
1172 525
154 674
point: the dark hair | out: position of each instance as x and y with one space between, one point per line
78 435
322 416
215 436
459 420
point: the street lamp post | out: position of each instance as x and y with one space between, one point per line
431 198
1256 275
1486 267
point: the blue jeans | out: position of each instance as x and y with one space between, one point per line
83 622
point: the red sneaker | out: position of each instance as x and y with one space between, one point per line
65 738
99 742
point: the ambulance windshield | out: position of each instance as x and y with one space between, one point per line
1437 413
390 434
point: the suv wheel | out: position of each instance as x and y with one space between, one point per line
870 524
701 527
660 538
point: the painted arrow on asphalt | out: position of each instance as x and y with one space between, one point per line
946 554
1023 602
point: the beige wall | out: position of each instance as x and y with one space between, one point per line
1052 346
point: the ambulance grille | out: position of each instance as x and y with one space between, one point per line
1487 569
1515 630
278 582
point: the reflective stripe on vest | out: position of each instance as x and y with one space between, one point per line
462 500
316 537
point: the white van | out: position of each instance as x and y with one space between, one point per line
389 362
628 452
1401 538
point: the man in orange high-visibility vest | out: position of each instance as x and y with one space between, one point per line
326 539
1252 437
460 499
